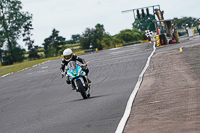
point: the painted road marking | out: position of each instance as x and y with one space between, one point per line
44 67
115 48
6 75
89 61
127 112
181 49
118 52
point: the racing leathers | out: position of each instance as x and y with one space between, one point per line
74 58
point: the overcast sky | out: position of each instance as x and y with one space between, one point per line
74 16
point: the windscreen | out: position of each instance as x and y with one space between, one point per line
72 65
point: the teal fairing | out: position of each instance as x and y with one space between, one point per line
74 70
78 79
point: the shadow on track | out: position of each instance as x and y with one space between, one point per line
92 97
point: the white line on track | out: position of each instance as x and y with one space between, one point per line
115 48
118 52
127 111
6 75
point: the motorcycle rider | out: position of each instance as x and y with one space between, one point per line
69 56
91 47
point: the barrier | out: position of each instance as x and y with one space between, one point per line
120 45
126 44
178 40
182 33
131 43
81 52
87 51
143 41
158 40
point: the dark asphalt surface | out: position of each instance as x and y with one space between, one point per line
168 99
38 100
192 54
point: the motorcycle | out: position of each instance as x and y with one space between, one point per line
78 78
91 49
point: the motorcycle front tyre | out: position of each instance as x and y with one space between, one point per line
81 89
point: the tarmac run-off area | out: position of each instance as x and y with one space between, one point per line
168 99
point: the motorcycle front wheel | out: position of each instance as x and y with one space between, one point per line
81 89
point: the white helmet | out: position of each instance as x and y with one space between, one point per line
67 54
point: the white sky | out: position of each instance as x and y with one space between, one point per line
74 16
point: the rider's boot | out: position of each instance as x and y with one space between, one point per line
68 80
73 87
89 81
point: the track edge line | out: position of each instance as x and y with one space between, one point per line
123 121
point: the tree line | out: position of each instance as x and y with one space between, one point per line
97 36
15 23
12 20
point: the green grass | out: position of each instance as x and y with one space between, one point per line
26 64
20 66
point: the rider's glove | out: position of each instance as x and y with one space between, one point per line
63 74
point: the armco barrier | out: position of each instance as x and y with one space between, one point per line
86 51
81 52
182 33
131 43
120 45
196 31
143 41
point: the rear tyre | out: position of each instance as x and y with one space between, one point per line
81 89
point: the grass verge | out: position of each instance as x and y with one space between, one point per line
20 66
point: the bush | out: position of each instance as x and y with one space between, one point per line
129 35
51 52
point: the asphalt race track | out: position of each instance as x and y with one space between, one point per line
38 100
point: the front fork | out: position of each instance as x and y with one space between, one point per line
87 81
82 81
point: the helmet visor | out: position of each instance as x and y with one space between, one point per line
67 57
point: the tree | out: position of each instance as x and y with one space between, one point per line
86 38
109 41
27 35
181 23
126 35
76 38
100 27
129 35
52 43
143 23
18 53
93 36
47 45
27 38
11 21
